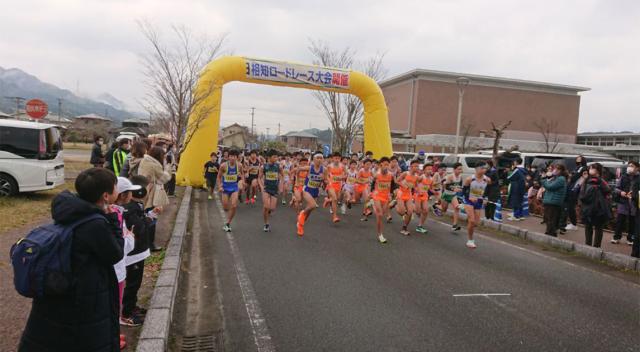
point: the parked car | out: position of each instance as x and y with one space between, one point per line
31 157
468 161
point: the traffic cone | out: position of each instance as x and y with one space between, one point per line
525 206
497 216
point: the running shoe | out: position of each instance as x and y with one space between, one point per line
437 211
421 229
389 219
246 201
336 219
368 212
364 218
348 205
571 227
226 228
123 342
266 228
405 232
370 203
512 218
130 321
630 243
284 202
455 227
210 197
381 239
471 244
343 208
253 200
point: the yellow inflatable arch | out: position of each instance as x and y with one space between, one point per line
204 131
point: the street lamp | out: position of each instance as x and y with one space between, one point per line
462 83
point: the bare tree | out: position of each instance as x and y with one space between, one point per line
498 132
171 70
549 131
467 129
344 111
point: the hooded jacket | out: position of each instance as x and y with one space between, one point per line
85 319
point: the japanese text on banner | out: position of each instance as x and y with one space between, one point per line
298 74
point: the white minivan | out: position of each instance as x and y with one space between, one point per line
31 157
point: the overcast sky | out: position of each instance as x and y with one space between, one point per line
586 43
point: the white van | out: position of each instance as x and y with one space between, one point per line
468 161
31 157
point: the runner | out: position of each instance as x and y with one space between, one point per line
473 190
334 178
269 179
425 181
452 193
211 173
300 176
287 166
348 190
232 182
313 182
404 196
438 186
363 185
382 195
253 168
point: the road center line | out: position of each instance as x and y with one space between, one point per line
259 327
481 294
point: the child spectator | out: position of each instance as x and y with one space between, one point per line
138 223
211 168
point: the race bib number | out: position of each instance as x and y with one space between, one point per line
363 180
351 180
313 184
212 170
271 175
337 179
230 178
384 185
253 171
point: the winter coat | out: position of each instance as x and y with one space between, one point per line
624 205
492 191
96 155
555 189
517 189
85 319
157 177
136 219
595 210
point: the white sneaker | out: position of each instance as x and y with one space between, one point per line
471 244
615 241
512 218
381 239
630 243
343 208
571 227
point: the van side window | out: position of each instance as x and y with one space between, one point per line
472 162
23 142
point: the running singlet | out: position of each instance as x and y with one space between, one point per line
253 168
363 181
301 178
351 180
314 181
423 188
476 192
230 179
382 188
286 170
410 181
450 187
271 178
335 177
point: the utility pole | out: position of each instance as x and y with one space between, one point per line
267 133
18 100
59 108
252 113
278 129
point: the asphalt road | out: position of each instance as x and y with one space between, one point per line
337 289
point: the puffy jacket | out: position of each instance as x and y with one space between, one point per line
85 319
96 154
555 189
154 171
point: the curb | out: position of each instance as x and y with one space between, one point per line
155 330
615 259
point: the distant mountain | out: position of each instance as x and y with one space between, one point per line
324 136
17 83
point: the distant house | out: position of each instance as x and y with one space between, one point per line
137 126
85 127
299 140
235 136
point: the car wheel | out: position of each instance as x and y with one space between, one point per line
8 186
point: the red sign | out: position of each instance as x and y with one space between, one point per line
36 108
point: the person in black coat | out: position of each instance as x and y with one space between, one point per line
492 192
571 199
86 318
97 156
594 206
517 189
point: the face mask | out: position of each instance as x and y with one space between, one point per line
592 172
631 170
556 172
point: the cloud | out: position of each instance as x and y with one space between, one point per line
588 43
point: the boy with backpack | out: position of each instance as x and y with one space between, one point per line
138 223
80 247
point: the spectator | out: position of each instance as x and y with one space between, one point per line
516 190
108 157
403 163
132 163
85 319
172 163
595 208
626 212
367 155
421 157
555 189
120 155
211 168
153 169
492 191
635 202
97 156
572 197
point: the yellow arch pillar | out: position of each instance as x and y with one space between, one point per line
204 121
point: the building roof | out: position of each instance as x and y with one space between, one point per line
25 124
235 125
300 134
136 121
480 80
609 134
93 117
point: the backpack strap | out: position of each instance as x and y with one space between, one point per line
85 219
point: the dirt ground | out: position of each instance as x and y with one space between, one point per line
14 309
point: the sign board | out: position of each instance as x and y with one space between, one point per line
36 108
285 72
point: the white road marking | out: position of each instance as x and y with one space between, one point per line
259 327
481 294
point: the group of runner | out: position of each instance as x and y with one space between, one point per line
377 186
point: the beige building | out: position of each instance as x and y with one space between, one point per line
234 136
299 140
85 127
425 102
